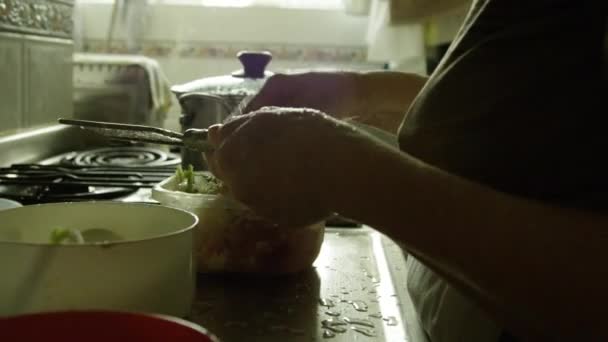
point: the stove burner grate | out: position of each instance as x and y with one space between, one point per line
129 156
34 194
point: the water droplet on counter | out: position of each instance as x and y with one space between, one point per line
365 331
335 325
326 302
337 330
375 315
391 320
360 305
330 322
332 313
359 321
328 334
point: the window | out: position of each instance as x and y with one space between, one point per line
300 4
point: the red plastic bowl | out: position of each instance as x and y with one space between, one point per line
98 326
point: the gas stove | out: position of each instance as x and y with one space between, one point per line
125 173
35 168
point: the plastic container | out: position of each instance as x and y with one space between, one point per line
231 238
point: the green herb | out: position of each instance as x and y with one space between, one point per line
179 174
63 235
205 183
190 179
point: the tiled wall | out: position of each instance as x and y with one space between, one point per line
36 70
196 41
191 42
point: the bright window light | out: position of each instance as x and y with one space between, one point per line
299 4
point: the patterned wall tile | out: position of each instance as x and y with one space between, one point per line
198 49
37 17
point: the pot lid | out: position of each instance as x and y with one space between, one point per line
243 82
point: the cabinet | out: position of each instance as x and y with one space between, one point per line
11 81
35 80
35 62
48 80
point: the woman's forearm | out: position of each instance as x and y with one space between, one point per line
514 256
385 96
390 90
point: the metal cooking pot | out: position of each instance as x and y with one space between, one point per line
211 100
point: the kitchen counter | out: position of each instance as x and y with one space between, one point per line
359 274
356 267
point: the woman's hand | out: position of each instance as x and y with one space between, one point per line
379 99
283 162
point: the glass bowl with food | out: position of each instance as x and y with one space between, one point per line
232 238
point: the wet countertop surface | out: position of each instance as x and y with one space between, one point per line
356 291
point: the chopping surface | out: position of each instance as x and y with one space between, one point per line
355 292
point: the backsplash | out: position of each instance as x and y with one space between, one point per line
175 33
47 18
36 50
191 41
228 50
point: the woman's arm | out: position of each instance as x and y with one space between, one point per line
378 98
386 97
535 267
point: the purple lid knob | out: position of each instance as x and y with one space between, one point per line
254 64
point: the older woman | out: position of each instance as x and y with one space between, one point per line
498 189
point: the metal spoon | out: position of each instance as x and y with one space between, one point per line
194 139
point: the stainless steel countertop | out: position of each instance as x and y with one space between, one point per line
355 266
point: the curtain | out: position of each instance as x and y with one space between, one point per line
310 4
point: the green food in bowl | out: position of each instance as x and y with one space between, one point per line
207 184
63 235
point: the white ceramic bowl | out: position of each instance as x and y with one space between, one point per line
6 203
149 269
